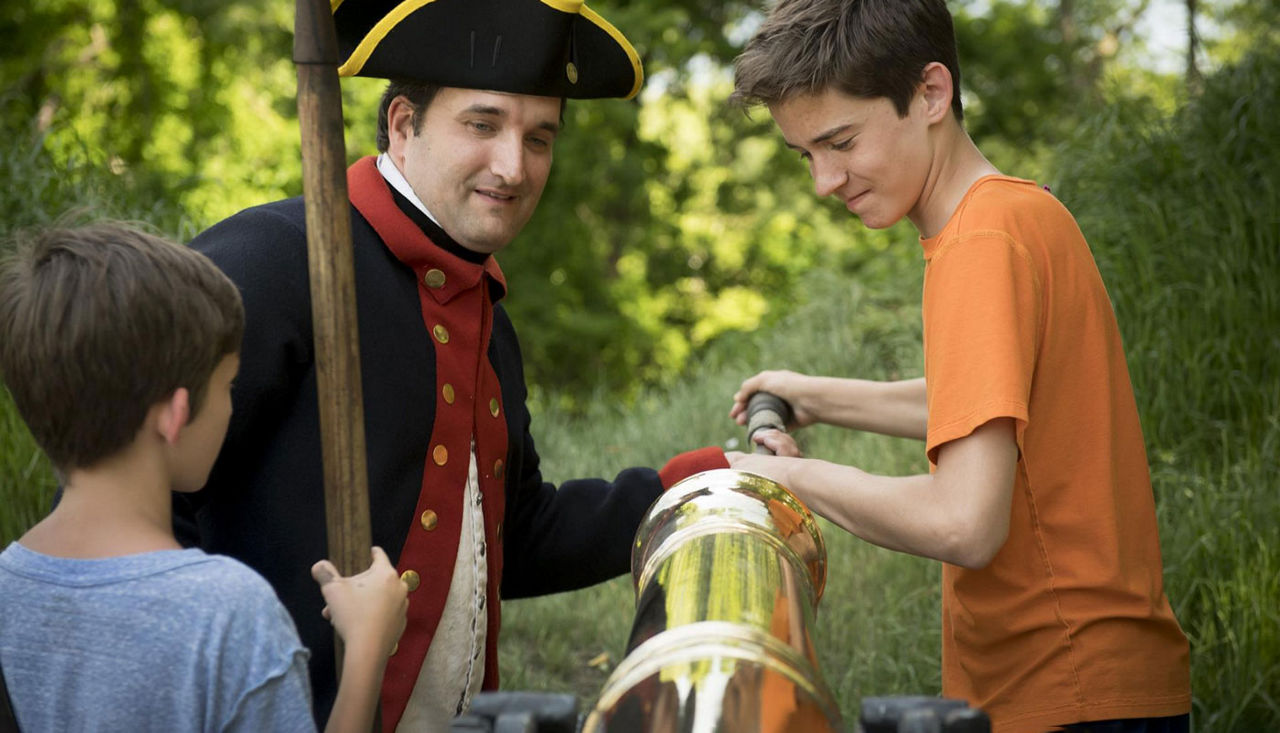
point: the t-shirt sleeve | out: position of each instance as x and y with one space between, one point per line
264 679
982 317
282 702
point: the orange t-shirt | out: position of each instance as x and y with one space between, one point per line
1069 622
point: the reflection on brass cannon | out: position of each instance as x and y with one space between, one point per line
728 568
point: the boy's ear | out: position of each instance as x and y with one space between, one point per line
173 414
937 89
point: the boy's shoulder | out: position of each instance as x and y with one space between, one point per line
218 595
1016 208
1001 197
189 572
1001 212
238 589
204 628
228 575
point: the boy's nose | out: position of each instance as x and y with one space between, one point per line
827 179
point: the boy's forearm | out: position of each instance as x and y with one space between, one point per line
889 408
358 690
906 514
959 514
875 508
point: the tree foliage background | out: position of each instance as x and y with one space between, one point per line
677 234
671 220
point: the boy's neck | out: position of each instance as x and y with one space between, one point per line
958 166
120 506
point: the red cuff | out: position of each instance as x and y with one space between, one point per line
687 464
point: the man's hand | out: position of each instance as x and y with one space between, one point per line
367 609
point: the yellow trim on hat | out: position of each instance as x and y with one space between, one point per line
622 41
356 61
333 5
369 43
565 6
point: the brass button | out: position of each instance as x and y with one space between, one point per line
411 579
447 391
440 455
429 520
493 406
434 278
395 649
441 333
571 72
499 531
497 468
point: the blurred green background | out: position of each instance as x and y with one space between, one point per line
679 249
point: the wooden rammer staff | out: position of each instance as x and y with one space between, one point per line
333 295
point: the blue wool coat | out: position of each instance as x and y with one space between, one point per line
264 500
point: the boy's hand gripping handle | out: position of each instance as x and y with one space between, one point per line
766 411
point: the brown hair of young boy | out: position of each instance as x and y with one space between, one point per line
100 322
864 48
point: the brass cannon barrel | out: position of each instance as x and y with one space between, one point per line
728 568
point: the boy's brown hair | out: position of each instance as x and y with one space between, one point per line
101 322
864 48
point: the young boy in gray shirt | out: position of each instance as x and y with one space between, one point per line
119 349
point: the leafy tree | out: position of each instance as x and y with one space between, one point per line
1249 25
670 220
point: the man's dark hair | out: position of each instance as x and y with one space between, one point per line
419 95
864 48
101 322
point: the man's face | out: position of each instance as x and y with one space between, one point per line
479 162
861 151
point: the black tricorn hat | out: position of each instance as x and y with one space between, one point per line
550 48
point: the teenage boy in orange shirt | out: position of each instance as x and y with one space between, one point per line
119 349
1053 615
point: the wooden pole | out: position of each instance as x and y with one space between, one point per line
333 295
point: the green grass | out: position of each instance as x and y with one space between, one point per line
1183 216
26 480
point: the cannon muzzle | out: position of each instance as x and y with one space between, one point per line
728 568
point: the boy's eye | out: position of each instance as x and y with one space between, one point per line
479 126
842 145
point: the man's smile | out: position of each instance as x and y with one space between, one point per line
496 195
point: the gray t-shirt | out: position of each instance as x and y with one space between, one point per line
176 640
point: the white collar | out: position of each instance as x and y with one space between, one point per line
389 171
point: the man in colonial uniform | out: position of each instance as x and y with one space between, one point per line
456 495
